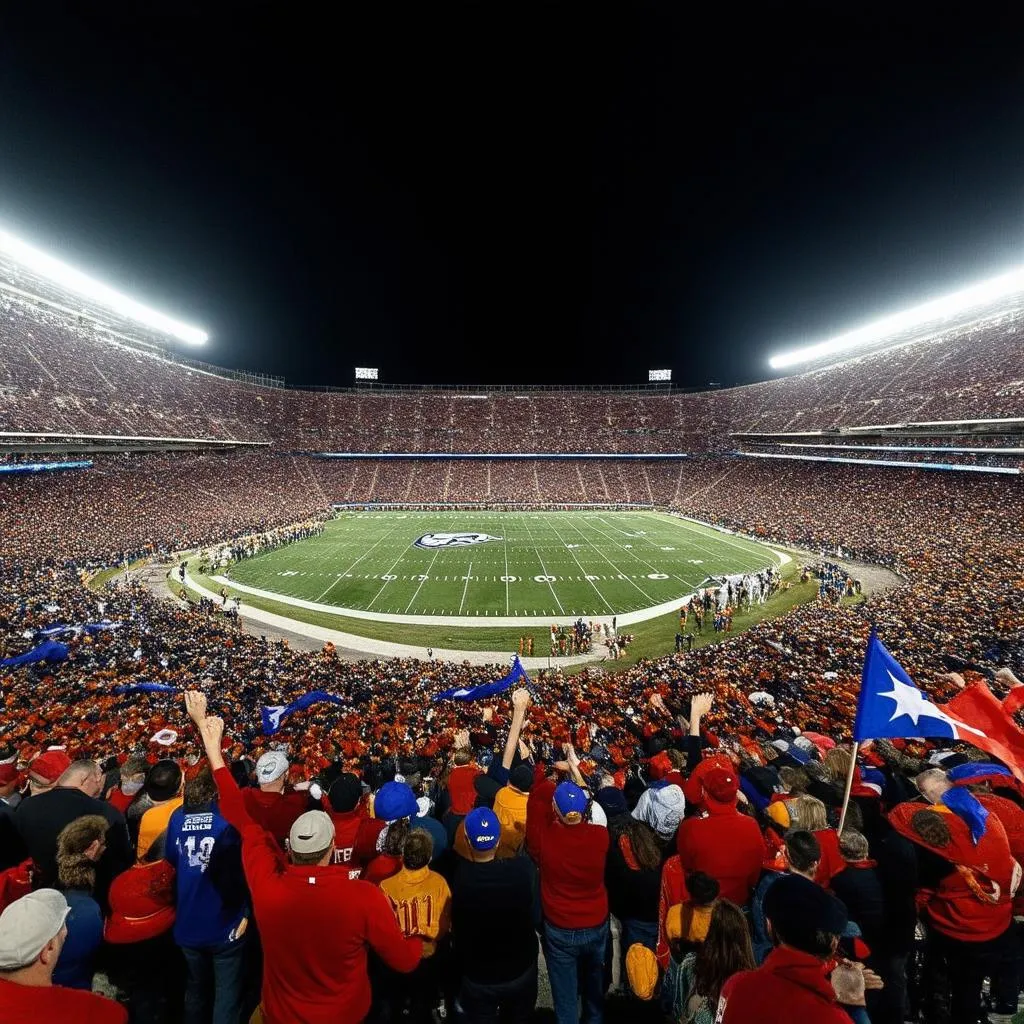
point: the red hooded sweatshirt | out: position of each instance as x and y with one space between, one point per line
316 926
789 986
571 861
973 903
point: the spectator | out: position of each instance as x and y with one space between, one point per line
805 923
725 951
800 856
211 918
268 804
316 924
32 934
355 832
42 817
570 853
163 786
395 804
497 964
721 842
421 901
132 779
79 846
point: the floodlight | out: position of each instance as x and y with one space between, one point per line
983 293
67 277
366 373
658 375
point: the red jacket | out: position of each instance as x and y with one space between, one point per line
355 839
316 926
571 861
276 812
33 1004
726 845
673 891
789 986
973 902
461 787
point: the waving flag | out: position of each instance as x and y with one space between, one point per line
48 650
890 705
486 689
274 715
145 688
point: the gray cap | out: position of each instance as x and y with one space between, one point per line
313 832
271 766
28 924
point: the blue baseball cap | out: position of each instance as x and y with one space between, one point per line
570 802
394 800
483 830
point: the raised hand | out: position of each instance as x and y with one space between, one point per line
701 704
462 739
521 699
195 705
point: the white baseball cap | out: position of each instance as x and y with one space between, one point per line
28 924
271 766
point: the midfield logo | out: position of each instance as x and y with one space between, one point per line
453 540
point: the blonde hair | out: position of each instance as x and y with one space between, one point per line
837 764
807 812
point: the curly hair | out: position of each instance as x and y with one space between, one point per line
74 869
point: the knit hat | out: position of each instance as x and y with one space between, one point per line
687 923
722 784
141 903
570 802
521 777
394 800
48 767
662 808
641 970
28 924
271 766
483 830
779 813
345 792
799 909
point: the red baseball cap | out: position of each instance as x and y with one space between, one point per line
49 766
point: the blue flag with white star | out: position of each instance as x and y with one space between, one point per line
890 705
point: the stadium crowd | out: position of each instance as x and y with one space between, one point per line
672 796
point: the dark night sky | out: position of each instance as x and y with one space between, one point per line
518 193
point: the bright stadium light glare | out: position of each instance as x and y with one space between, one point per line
980 294
74 280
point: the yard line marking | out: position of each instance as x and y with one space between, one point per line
427 573
619 572
505 546
591 582
466 587
543 568
358 560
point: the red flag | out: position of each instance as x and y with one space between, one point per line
997 733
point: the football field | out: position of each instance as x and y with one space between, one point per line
505 564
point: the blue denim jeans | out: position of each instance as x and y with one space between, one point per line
214 989
633 931
575 959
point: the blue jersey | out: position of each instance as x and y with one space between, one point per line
210 899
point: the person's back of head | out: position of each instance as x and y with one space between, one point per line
200 790
417 850
85 776
808 812
853 846
804 916
703 889
32 934
803 851
726 950
79 846
163 781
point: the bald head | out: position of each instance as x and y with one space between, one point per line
932 784
83 775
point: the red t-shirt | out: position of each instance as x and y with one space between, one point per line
461 787
726 845
34 1004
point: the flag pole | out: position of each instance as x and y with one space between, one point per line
849 785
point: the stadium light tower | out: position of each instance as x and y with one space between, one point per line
74 280
981 294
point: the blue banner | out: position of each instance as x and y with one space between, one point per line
486 689
145 688
274 715
48 650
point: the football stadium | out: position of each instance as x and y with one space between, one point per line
421 701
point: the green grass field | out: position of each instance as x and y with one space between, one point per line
551 564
